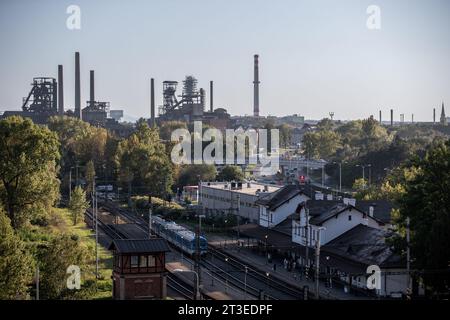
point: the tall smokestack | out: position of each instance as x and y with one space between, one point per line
60 91
434 115
211 95
392 117
152 102
202 98
380 118
256 88
91 87
77 86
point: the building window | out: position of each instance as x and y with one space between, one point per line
143 261
151 261
349 218
134 261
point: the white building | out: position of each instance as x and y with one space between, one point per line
276 207
237 198
333 218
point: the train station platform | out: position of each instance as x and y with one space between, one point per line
294 278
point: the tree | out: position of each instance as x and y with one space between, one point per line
80 143
426 201
143 163
166 129
190 174
61 252
16 263
321 144
231 173
77 204
325 124
28 155
285 134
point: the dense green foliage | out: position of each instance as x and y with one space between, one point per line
28 155
426 201
365 142
191 174
231 173
54 259
77 204
16 263
143 163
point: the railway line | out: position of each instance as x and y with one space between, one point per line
228 269
178 286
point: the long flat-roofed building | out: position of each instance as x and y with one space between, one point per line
222 198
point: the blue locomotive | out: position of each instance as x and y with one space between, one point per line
179 236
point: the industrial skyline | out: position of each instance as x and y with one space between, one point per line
360 72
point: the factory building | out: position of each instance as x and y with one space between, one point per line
189 106
46 99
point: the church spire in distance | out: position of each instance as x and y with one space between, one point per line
443 117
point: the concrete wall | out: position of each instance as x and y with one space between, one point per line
223 201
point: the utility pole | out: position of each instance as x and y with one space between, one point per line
76 174
96 236
70 184
37 283
318 262
245 283
307 240
408 255
238 209
197 255
150 221
323 175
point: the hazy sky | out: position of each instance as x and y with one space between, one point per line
315 56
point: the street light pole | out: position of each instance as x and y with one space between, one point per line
96 236
226 274
323 175
307 241
197 295
245 283
70 183
150 222
318 262
408 255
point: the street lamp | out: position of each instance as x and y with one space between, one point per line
330 278
265 245
245 282
267 282
364 166
197 296
226 275
340 174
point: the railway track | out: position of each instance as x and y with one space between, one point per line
278 289
180 287
227 268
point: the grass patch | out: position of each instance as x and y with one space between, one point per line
60 222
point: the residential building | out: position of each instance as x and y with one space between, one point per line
333 218
274 208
